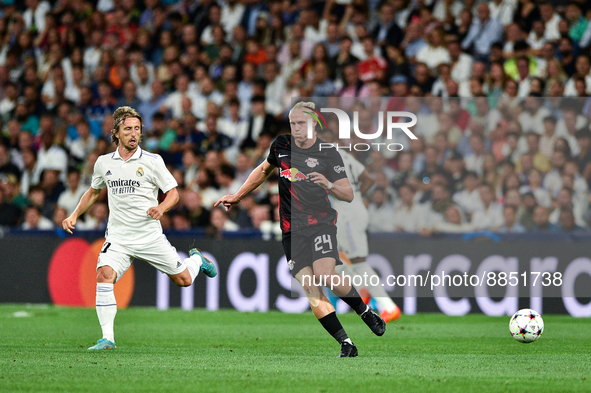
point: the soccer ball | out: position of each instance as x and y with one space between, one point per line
526 326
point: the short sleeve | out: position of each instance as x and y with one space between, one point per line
272 157
336 170
162 176
98 180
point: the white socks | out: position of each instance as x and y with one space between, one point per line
377 292
106 309
194 265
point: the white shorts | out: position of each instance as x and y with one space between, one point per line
159 253
352 238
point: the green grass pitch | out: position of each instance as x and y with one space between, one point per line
44 350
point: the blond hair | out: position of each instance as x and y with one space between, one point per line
119 116
303 104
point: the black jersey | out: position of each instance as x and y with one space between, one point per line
304 204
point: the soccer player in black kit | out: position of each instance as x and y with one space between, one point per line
308 174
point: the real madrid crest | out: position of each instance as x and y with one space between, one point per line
140 172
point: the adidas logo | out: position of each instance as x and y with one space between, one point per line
178 264
108 173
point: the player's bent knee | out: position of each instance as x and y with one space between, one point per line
106 274
314 301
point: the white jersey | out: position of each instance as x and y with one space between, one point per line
133 189
356 210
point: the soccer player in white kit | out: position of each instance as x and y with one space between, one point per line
352 223
133 177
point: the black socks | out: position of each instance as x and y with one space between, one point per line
333 326
354 301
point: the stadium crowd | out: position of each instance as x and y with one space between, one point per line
503 142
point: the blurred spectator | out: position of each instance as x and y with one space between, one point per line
69 198
475 159
583 159
190 165
129 96
37 198
534 185
468 199
440 201
549 136
550 19
259 121
567 222
404 171
180 221
10 186
373 67
50 155
381 212
502 10
387 31
82 146
204 186
352 86
532 119
51 185
538 159
96 218
274 89
452 222
565 201
31 173
6 165
260 216
582 68
435 52
483 32
10 214
225 178
413 42
174 100
541 218
35 221
409 216
490 215
197 214
219 220
526 217
59 215
510 225
214 140
578 23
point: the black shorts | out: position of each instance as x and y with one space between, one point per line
304 248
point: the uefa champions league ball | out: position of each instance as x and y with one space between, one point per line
526 325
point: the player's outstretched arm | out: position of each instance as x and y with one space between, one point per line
172 198
255 179
341 189
87 200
